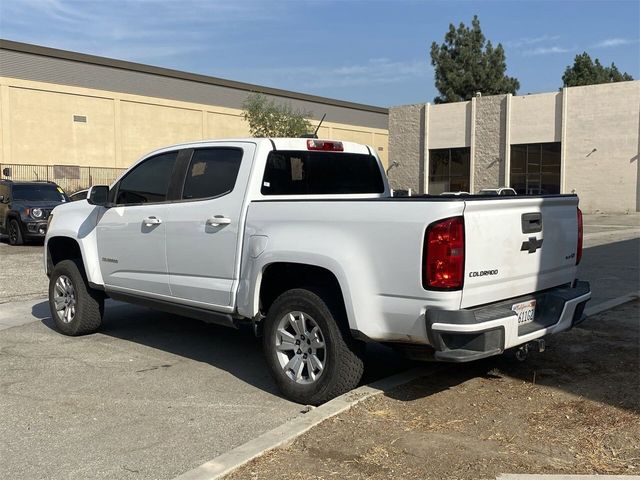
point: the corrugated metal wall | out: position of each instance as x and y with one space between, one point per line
28 66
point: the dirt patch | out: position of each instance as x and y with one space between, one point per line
573 409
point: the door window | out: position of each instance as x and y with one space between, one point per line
147 182
212 172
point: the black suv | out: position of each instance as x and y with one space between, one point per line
25 207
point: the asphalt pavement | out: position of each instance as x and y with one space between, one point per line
151 395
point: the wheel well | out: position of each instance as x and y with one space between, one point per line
62 248
280 277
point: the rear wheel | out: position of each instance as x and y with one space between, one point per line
75 308
15 233
308 348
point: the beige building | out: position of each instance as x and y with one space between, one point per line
62 112
581 139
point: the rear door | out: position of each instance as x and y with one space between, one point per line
516 246
204 227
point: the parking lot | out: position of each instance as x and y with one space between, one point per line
153 395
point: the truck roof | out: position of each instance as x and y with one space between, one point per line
277 143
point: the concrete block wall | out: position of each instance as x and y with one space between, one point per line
602 143
490 129
598 127
406 147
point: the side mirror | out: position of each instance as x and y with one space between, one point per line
98 195
1 198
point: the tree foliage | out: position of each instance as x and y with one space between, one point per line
267 118
467 63
585 71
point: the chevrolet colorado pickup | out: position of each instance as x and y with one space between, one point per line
301 239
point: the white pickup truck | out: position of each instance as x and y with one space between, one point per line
301 239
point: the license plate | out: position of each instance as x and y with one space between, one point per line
526 311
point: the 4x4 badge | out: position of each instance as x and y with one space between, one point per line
531 245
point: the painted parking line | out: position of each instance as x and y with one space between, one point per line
535 476
622 232
594 225
609 304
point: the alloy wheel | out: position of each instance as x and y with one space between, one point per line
64 298
300 347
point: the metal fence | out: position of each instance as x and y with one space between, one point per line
71 178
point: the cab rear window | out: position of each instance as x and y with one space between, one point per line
317 173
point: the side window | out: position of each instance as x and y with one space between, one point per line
212 172
148 182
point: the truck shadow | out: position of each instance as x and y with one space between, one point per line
237 352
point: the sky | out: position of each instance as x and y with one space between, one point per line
374 52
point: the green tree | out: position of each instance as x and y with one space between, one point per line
267 118
467 63
585 71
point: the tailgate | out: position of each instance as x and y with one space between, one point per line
508 253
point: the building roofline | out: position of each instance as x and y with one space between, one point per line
167 72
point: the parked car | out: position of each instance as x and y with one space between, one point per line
301 239
25 207
79 195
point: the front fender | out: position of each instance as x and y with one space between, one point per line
78 220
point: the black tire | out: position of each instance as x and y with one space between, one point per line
89 304
343 364
15 232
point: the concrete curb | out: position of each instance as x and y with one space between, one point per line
565 477
287 433
609 304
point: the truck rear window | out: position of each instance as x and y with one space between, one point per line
305 173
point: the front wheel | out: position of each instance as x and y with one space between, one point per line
15 233
308 348
75 308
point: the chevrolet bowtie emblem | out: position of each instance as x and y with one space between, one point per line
531 245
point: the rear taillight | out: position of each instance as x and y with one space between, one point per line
443 267
325 145
580 235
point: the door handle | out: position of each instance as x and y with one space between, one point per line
218 220
152 221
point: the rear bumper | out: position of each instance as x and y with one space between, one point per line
466 335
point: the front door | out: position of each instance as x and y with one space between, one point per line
204 227
131 234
